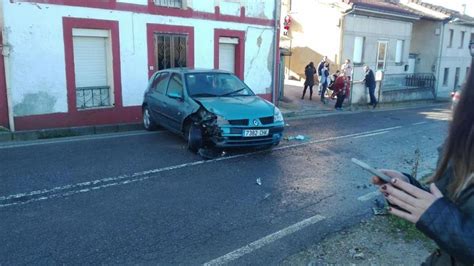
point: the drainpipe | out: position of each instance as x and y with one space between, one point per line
341 49
440 53
276 26
6 61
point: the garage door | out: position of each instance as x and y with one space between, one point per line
227 48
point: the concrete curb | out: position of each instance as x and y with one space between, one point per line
67 132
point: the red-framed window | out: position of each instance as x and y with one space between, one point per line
239 49
169 46
70 27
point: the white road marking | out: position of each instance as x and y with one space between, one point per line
372 134
19 144
369 196
420 123
265 241
144 175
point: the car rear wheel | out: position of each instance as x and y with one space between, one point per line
193 136
148 122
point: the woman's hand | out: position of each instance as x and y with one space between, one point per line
412 200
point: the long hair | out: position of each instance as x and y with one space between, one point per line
459 147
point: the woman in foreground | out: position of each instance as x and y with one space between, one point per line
445 211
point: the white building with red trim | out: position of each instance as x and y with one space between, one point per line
67 63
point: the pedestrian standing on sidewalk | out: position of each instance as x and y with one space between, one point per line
320 69
347 68
445 211
324 81
369 81
309 72
340 88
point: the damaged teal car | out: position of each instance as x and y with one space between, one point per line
210 108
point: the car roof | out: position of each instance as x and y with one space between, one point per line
187 70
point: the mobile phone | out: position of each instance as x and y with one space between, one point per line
372 170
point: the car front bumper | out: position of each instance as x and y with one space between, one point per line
233 137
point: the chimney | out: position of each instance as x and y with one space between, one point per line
463 9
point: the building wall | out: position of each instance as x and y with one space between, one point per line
453 57
425 44
386 30
315 32
38 69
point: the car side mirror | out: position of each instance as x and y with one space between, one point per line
176 95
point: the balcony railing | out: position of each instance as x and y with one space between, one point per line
169 3
408 81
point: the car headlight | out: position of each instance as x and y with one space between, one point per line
277 115
221 120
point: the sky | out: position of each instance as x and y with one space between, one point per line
455 4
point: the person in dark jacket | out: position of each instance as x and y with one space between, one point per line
309 72
320 69
324 81
444 211
369 81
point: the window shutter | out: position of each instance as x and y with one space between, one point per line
358 49
399 52
90 61
227 57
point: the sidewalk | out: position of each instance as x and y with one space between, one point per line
293 106
6 135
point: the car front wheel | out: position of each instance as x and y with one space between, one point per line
193 136
148 122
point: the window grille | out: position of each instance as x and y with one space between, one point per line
169 3
171 50
91 97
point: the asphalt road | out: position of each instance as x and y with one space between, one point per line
143 198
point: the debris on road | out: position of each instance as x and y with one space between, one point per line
209 153
267 195
259 181
356 253
298 137
379 208
379 211
359 256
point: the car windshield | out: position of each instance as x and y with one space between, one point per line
216 85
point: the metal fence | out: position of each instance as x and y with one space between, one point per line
408 81
90 97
